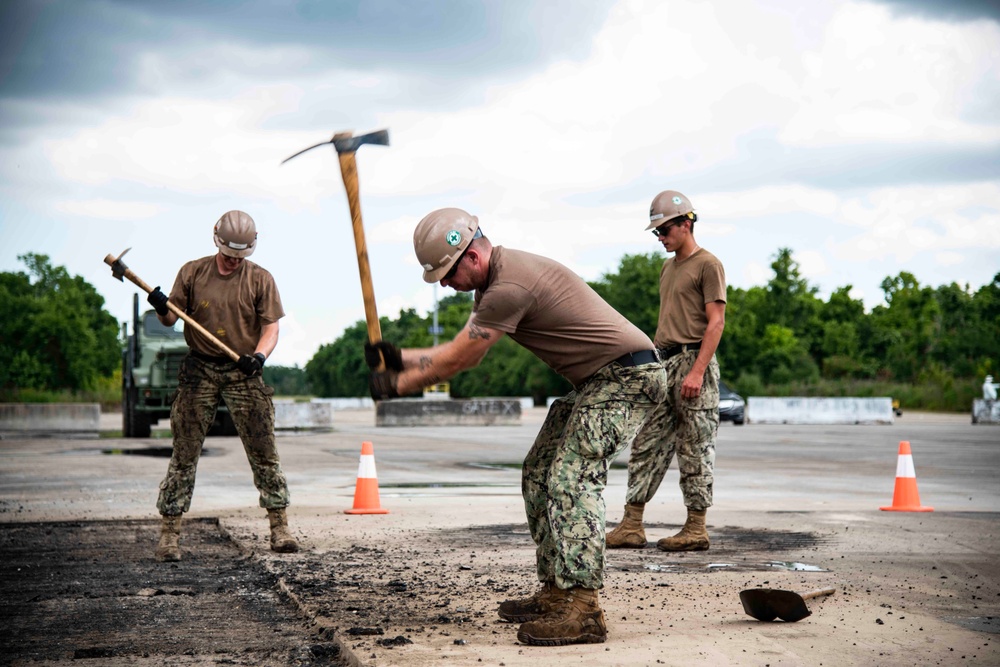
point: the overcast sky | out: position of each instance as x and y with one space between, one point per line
865 136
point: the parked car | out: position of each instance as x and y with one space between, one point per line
731 405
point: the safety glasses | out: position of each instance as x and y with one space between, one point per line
663 230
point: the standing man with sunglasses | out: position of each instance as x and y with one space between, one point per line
618 383
692 317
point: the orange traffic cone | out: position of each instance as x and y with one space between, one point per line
366 490
906 498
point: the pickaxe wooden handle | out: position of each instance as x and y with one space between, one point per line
347 144
118 270
349 172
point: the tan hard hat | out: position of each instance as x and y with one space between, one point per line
668 205
441 238
236 234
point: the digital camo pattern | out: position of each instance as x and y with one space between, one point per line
201 385
687 427
566 470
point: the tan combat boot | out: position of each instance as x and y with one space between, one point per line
528 609
693 536
576 618
169 547
281 540
629 533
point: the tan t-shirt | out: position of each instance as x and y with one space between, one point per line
553 313
234 308
685 288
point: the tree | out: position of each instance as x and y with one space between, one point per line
634 291
904 330
54 330
287 380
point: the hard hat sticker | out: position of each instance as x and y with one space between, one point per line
453 238
654 218
676 200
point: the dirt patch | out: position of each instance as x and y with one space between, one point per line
92 590
444 585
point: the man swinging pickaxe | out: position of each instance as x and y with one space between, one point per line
346 145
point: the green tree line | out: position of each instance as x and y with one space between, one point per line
54 332
929 347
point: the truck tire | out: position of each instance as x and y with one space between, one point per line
135 424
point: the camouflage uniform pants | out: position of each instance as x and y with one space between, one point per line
566 470
683 426
201 385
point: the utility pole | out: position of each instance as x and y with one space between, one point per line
435 330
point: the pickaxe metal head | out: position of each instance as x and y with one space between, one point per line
118 267
344 142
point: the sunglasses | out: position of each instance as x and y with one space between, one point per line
663 230
454 267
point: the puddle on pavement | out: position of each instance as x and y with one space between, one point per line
621 465
795 567
157 452
438 485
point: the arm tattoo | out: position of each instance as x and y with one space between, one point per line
475 331
425 362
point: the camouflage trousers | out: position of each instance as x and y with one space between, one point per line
566 470
201 385
687 427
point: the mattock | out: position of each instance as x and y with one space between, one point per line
120 271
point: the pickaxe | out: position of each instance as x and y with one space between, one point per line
346 145
120 271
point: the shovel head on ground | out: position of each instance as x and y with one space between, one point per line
767 604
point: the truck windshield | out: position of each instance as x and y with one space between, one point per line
151 326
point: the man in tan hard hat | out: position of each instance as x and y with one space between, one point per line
618 381
238 301
692 317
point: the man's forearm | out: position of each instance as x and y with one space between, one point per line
427 366
268 339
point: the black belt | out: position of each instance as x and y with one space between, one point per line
637 358
209 358
667 352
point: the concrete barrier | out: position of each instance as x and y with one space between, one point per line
985 412
819 410
355 403
451 412
36 419
290 415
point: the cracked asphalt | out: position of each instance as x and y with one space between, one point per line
796 508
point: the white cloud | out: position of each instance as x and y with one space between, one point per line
903 221
109 209
877 77
563 161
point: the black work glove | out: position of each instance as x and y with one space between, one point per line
251 364
158 300
382 385
374 354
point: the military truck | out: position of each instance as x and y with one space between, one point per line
150 361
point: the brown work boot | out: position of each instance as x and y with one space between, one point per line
281 540
629 533
528 609
169 548
692 537
576 618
